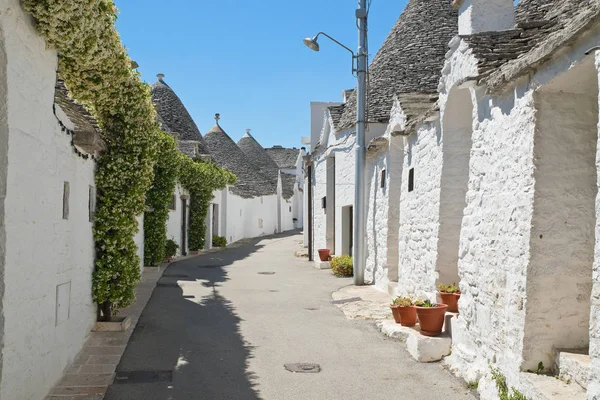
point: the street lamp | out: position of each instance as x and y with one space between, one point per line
360 210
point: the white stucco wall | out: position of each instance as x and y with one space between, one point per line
175 219
377 226
341 147
42 250
248 218
562 238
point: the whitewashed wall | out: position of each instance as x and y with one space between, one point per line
377 223
340 146
175 219
419 212
139 240
41 250
511 185
248 218
287 214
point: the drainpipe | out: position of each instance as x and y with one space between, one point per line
360 212
310 212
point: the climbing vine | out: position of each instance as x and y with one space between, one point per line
201 179
166 172
97 71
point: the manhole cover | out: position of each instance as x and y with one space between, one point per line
274 291
175 276
303 368
344 301
172 285
125 377
311 308
209 266
266 273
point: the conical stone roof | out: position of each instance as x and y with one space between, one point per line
250 182
174 114
257 155
410 60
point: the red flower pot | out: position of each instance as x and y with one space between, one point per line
431 319
396 314
324 254
451 299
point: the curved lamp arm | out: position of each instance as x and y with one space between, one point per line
335 41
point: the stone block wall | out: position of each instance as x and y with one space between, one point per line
419 212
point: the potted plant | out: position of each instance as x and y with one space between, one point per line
219 241
431 317
324 254
450 295
171 249
404 311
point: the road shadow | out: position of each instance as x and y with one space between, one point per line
187 343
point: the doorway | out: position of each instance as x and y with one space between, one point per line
215 220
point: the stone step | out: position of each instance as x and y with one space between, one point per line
421 348
392 289
573 365
544 387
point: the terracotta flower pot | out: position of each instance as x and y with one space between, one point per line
324 254
431 319
406 316
451 299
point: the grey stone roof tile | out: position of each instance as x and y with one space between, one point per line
257 155
287 185
284 158
336 113
542 27
88 134
226 153
172 111
410 60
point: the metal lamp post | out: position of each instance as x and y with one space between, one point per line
359 183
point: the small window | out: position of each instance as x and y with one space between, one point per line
66 193
382 178
324 203
91 202
173 206
240 212
411 179
290 208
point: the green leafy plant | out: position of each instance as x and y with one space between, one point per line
342 266
539 370
219 241
98 73
403 301
473 385
449 288
502 387
201 179
158 198
171 248
425 303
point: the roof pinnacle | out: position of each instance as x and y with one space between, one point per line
217 117
160 76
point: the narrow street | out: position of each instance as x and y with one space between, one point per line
222 325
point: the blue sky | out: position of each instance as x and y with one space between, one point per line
246 60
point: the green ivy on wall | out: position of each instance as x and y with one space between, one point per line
97 71
158 198
201 179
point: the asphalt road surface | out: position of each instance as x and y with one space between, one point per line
222 325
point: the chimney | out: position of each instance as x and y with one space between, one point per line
346 94
476 16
